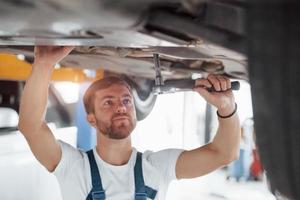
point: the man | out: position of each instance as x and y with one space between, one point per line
114 170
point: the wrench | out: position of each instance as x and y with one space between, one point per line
177 85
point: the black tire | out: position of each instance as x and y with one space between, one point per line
274 49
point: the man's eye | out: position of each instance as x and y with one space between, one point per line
126 101
109 102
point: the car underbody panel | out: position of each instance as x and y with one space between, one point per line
121 37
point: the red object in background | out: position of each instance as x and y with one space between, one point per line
256 168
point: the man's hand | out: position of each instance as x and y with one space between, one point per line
33 106
225 146
223 99
48 56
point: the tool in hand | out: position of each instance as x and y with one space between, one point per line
177 85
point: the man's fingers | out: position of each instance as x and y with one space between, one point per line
221 96
203 83
52 49
228 82
223 82
68 49
218 82
214 81
51 54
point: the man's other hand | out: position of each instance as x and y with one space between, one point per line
50 55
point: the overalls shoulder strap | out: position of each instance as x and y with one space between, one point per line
141 191
97 192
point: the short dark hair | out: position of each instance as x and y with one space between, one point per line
88 98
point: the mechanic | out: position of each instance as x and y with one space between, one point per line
114 170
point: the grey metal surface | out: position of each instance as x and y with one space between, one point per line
115 35
28 22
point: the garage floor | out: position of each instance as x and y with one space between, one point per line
215 187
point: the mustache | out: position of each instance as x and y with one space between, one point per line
120 115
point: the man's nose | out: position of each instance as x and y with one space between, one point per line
121 108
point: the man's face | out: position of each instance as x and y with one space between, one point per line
114 112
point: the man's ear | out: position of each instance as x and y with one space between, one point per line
91 119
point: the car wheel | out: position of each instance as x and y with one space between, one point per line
274 49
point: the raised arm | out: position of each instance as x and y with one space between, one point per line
33 106
225 146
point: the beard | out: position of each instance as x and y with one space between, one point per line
116 129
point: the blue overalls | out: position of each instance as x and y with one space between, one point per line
141 191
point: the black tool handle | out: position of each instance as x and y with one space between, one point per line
189 84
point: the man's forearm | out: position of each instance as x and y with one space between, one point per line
227 139
34 99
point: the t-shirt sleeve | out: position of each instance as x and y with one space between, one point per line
165 161
69 157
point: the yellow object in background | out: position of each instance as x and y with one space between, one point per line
12 68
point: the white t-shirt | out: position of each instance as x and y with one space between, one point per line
74 177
